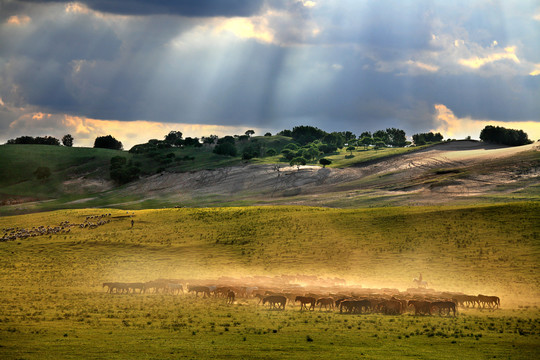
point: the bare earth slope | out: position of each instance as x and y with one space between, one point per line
461 171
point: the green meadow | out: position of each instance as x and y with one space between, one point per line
52 304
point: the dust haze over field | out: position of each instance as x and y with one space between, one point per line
53 282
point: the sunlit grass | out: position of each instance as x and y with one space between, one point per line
52 303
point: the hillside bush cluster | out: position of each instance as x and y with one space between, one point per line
425 138
172 140
226 146
123 171
108 142
304 135
39 140
503 136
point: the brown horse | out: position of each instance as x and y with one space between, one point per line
420 307
275 301
391 307
110 286
465 300
444 306
174 288
490 301
304 300
327 302
205 290
354 306
134 286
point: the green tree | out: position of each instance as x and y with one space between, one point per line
312 152
351 149
378 143
212 139
382 135
423 138
174 138
268 134
325 162
271 152
107 142
226 148
192 142
348 136
67 140
306 134
292 146
298 161
123 171
501 135
335 139
366 141
288 154
285 132
250 133
396 137
226 139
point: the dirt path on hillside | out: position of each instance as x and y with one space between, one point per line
308 184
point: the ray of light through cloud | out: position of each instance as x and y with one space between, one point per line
92 66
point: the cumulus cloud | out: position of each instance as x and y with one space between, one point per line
454 127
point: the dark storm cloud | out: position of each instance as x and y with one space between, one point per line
195 8
354 65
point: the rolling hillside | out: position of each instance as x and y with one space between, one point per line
461 172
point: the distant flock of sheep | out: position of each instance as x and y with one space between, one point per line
90 222
352 301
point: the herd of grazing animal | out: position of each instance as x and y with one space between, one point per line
90 222
359 301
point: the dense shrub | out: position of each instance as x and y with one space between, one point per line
123 171
107 142
325 162
424 138
29 140
501 135
226 148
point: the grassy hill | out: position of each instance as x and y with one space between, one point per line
461 172
52 301
19 162
473 249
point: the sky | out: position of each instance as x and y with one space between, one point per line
138 69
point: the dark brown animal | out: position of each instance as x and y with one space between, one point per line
304 300
489 301
420 307
444 306
205 290
354 306
391 307
275 301
327 302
